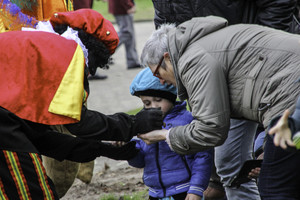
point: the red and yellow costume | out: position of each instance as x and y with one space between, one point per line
46 71
45 76
42 84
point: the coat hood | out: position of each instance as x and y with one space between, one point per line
192 30
189 32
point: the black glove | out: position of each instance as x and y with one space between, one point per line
148 120
125 152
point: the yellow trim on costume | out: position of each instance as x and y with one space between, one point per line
2 27
17 174
70 5
68 98
47 193
3 195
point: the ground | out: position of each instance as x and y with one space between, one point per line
110 177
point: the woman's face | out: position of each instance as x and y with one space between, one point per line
165 75
157 102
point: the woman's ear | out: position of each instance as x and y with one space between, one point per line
166 55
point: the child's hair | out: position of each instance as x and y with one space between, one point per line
98 54
148 85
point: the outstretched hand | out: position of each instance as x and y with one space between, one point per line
148 120
153 136
281 131
125 152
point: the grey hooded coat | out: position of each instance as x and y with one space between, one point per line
239 71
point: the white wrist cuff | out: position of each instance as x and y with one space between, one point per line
168 140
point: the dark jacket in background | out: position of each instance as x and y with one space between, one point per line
263 12
78 4
119 7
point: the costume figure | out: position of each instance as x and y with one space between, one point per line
44 82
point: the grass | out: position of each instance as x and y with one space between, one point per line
134 111
135 196
144 10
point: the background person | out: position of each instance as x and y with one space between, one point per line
166 173
282 159
210 63
79 4
123 12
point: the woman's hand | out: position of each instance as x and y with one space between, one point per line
282 132
153 136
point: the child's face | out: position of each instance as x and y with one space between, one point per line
157 102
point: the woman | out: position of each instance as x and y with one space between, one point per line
240 71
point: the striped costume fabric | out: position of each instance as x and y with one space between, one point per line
22 176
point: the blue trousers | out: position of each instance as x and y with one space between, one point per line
230 157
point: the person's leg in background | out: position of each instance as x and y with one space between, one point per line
230 157
127 37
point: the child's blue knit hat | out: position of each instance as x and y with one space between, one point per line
148 85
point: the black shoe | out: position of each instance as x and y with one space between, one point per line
135 66
97 77
111 61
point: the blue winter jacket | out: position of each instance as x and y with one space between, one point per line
167 173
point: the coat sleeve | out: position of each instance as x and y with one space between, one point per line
60 146
276 13
95 125
204 80
139 160
201 171
66 147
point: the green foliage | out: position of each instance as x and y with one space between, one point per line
109 197
134 196
133 112
144 10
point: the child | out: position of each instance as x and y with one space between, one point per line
167 174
